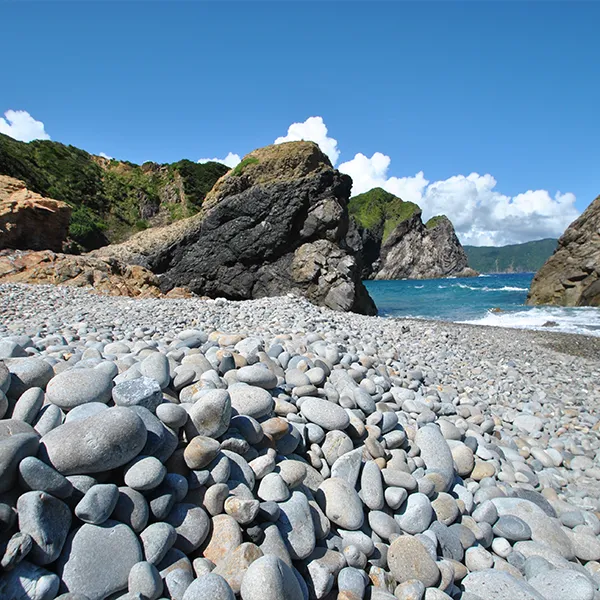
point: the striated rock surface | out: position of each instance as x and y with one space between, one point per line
29 221
274 224
571 276
105 275
392 242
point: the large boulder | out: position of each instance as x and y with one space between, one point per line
274 224
571 276
28 221
392 242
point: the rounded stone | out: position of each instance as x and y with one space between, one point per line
26 373
191 524
326 414
97 559
37 475
210 414
156 366
235 565
13 449
563 583
273 488
257 375
47 520
98 503
225 537
243 510
512 528
79 386
340 503
409 559
269 578
496 584
209 587
131 509
145 473
157 539
251 401
295 524
106 441
29 582
29 405
200 451
172 415
141 391
416 514
145 579
436 455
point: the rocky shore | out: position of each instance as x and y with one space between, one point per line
209 449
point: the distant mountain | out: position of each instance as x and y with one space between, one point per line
516 258
391 241
110 199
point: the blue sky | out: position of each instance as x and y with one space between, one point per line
506 91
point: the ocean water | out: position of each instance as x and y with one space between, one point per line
472 300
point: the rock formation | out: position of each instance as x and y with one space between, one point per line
571 276
391 241
274 224
108 276
28 221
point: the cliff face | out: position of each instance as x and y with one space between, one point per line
29 221
274 224
571 276
391 241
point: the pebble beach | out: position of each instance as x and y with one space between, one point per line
267 449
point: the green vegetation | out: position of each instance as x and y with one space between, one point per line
516 258
110 199
435 221
237 171
378 209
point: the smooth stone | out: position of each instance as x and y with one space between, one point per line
409 559
243 510
157 539
97 559
512 528
383 525
269 578
29 405
28 582
210 414
172 415
436 454
200 451
235 565
413 589
416 514
528 423
251 401
371 486
239 469
47 520
296 526
145 473
83 411
141 391
491 584
341 503
131 509
352 580
191 524
272 488
209 587
13 450
347 467
258 376
326 414
98 503
225 536
563 584
26 373
37 475
273 543
106 441
156 366
17 548
293 472
79 386
144 579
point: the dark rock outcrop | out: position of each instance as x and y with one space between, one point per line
274 224
28 221
571 276
391 241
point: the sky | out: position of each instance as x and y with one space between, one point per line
488 112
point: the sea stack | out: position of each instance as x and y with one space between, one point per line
571 276
274 224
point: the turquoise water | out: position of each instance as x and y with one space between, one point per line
471 300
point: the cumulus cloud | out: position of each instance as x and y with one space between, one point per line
481 214
312 130
20 125
231 160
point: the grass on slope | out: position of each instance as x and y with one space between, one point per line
435 221
377 207
110 199
516 258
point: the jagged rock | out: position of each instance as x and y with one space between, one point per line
571 276
109 276
391 241
29 221
274 224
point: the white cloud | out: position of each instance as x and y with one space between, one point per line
20 125
481 214
312 130
104 155
231 160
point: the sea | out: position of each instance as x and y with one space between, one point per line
496 300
